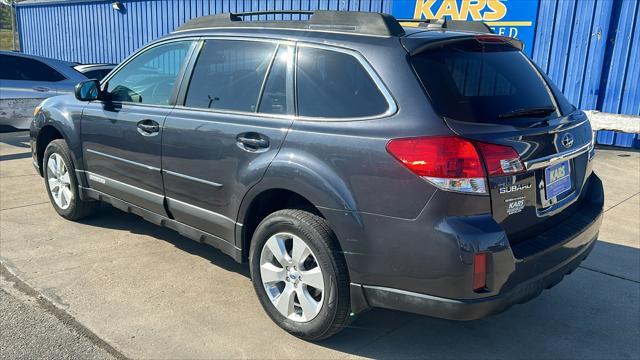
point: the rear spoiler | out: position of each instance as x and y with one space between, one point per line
481 38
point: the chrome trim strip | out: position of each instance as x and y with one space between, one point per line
548 160
561 127
123 184
148 167
197 208
173 173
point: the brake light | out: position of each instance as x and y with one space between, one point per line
479 272
491 39
500 160
449 162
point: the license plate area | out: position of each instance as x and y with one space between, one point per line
557 180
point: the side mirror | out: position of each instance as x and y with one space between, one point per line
88 90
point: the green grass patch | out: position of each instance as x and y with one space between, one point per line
5 40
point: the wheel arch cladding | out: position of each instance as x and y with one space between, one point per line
259 203
46 135
59 116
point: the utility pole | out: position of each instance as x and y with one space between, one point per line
13 25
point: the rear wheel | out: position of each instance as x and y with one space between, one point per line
61 183
300 275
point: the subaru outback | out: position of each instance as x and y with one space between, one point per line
354 162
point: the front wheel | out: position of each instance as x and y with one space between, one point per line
61 183
300 275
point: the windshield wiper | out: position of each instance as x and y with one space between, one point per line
541 111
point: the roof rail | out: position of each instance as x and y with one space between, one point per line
444 23
362 23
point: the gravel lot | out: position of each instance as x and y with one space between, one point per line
147 292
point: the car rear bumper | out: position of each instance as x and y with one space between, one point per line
516 273
453 309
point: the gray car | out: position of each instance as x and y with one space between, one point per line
26 80
352 162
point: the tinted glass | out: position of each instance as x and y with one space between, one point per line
277 93
470 81
96 74
335 85
150 77
228 75
20 68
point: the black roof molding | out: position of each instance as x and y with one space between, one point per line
362 23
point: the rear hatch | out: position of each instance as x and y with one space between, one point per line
488 91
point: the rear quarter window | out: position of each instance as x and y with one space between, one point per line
474 82
332 84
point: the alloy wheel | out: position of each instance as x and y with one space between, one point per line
292 277
59 181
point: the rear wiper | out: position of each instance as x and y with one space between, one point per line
541 111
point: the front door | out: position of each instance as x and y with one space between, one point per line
121 134
230 123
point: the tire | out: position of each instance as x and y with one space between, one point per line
288 228
66 200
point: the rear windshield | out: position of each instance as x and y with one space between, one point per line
488 83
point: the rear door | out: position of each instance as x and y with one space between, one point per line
233 114
489 91
121 135
24 83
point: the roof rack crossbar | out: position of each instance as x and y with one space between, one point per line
444 23
275 12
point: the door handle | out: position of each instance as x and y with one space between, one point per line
252 141
148 127
41 88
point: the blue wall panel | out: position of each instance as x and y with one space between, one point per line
621 60
589 48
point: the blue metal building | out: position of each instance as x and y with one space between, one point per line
590 48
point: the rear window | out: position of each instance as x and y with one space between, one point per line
488 83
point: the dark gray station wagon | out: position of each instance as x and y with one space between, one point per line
354 163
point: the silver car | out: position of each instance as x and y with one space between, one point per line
25 80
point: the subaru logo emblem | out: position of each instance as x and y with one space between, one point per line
567 140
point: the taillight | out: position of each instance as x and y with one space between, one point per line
454 163
479 272
500 160
449 162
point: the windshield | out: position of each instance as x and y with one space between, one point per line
479 82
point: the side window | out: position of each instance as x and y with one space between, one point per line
228 75
332 84
277 92
25 69
151 76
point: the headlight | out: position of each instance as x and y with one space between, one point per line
36 110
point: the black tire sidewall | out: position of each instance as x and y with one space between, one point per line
321 324
60 147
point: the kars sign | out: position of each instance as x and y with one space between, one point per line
514 18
